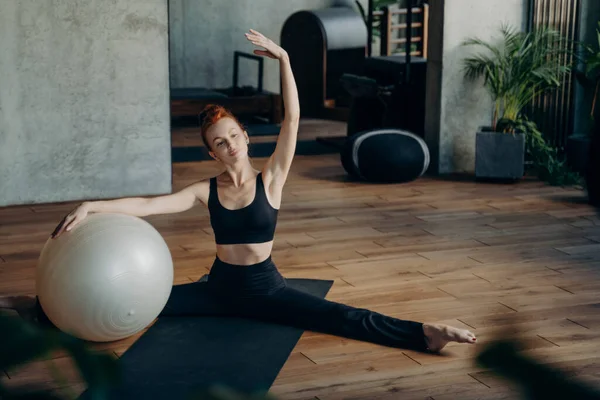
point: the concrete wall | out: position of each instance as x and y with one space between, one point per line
462 106
204 35
84 106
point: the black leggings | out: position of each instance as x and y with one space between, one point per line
259 291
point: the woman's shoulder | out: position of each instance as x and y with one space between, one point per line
201 189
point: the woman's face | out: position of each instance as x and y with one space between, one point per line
228 142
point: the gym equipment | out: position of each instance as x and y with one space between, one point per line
382 102
242 101
395 83
385 155
106 279
386 123
179 356
402 86
323 45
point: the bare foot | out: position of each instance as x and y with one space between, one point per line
438 336
23 305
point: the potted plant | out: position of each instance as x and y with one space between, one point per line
516 69
578 144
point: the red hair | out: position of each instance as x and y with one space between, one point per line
210 115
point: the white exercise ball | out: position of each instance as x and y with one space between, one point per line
106 279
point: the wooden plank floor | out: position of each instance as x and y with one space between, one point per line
523 258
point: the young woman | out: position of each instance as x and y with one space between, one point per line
243 204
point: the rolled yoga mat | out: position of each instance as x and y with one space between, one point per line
180 356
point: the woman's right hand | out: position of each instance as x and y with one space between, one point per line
72 219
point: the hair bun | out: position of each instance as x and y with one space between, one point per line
210 115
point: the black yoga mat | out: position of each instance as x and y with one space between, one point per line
178 356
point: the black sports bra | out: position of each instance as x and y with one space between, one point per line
254 223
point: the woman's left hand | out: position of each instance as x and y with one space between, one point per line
270 48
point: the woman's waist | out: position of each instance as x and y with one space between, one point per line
244 254
258 278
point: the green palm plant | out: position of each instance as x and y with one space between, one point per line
517 69
591 74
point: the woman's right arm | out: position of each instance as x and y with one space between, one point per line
177 202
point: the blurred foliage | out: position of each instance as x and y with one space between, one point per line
505 358
23 342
